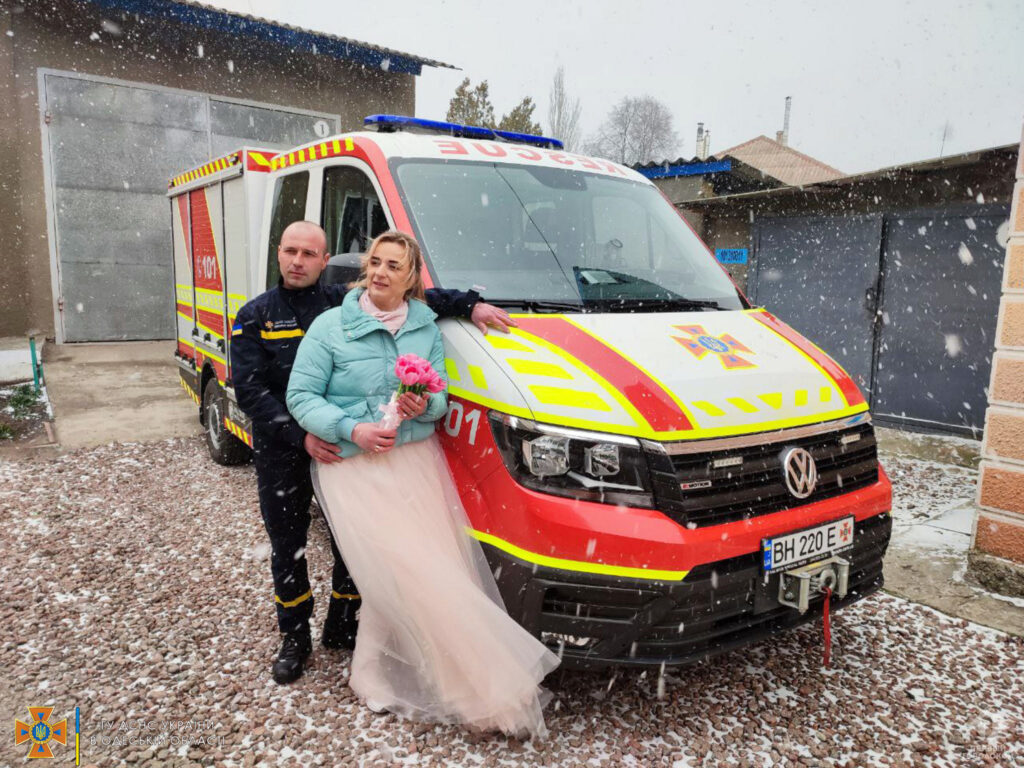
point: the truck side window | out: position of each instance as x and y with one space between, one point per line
289 206
352 215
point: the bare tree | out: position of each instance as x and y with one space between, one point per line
637 130
564 113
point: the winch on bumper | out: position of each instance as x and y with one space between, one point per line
595 621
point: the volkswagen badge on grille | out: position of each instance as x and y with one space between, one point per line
800 472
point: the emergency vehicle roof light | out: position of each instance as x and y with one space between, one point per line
391 123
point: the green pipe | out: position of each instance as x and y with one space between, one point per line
35 363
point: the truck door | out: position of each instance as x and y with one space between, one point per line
290 194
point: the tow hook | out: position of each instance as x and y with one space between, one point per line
797 586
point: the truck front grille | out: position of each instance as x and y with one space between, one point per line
749 480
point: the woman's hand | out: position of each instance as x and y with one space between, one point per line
373 438
411 405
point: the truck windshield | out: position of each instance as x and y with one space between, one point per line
549 238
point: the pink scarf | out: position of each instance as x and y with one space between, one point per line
392 320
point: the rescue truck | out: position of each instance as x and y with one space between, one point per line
657 471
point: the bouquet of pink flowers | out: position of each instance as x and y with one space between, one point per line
417 376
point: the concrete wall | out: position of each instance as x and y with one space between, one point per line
72 36
679 188
997 558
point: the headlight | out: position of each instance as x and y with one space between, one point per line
570 462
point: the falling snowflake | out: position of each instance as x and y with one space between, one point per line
964 253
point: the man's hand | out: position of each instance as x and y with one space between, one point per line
374 439
321 450
411 405
484 315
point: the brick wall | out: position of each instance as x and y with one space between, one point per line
997 558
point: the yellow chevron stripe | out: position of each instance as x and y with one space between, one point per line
742 404
709 408
451 369
477 375
499 341
537 368
569 397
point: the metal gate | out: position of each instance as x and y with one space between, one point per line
906 302
940 302
820 275
110 147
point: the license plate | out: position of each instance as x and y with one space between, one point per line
806 546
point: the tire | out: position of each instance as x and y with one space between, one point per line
224 447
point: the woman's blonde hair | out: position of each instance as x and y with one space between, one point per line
413 257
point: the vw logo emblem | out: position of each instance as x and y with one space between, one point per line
800 471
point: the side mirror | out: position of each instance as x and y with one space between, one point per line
342 268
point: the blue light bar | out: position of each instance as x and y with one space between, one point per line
389 123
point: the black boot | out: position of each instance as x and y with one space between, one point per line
293 654
342 624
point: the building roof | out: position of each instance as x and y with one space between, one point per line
782 162
1006 153
701 167
202 16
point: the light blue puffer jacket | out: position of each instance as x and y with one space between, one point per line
345 369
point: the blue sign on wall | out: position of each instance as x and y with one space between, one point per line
731 255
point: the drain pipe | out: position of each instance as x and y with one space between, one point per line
37 366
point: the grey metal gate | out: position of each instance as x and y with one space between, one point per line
112 146
940 299
820 274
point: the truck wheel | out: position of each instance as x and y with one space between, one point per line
224 447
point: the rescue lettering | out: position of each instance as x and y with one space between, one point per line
491 150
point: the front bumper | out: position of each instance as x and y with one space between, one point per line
595 620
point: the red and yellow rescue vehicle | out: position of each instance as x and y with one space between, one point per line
657 471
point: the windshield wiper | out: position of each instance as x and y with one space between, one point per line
633 304
539 307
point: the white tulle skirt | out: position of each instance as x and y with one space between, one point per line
435 642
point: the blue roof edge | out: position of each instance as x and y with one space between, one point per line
687 169
227 22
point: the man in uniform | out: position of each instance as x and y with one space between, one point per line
264 340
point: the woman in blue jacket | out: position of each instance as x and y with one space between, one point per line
434 641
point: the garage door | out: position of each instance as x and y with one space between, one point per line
819 274
943 273
111 147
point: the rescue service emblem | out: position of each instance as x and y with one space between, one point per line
725 347
40 732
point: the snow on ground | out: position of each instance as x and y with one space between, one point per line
139 589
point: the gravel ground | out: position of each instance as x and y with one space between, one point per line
922 489
140 591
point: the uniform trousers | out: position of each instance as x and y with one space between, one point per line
285 492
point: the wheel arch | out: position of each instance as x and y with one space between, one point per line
207 373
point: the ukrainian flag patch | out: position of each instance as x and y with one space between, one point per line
236 329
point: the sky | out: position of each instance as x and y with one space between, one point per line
874 83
